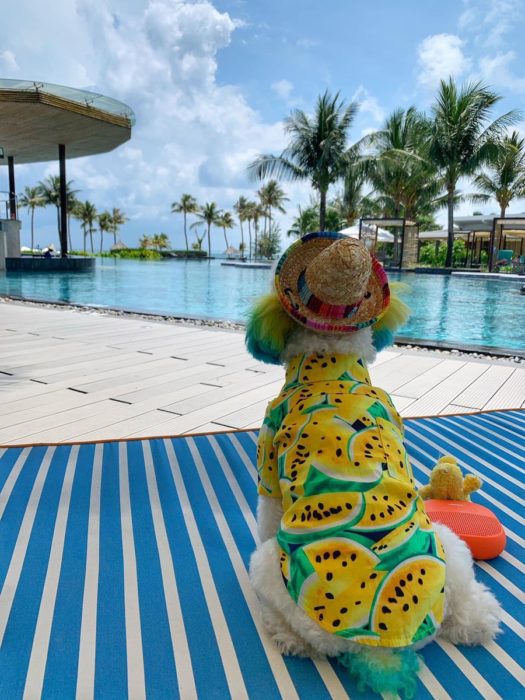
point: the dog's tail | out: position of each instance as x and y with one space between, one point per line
383 670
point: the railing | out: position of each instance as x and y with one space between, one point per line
5 202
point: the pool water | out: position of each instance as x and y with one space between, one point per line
447 308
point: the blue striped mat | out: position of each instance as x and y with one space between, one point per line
123 569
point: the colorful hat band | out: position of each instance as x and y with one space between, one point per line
320 307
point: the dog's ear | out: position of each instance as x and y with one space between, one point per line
267 329
396 314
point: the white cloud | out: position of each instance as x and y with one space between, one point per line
368 104
283 88
490 20
496 70
307 43
160 57
8 64
439 57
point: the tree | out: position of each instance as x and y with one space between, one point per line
145 241
505 178
269 243
272 196
104 226
225 221
256 212
50 192
86 213
31 199
118 219
305 221
209 214
461 137
160 241
186 205
350 203
317 150
240 208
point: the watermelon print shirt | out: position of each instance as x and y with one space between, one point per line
358 553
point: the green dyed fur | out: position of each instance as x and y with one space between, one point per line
267 329
383 671
395 316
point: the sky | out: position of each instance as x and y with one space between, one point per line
211 82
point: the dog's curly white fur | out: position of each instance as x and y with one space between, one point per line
472 614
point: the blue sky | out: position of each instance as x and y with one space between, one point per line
210 83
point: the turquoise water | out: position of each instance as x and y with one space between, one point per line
445 308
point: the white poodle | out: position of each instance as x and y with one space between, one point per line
348 564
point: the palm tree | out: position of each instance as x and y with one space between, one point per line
305 221
256 211
31 199
225 221
272 196
160 241
240 208
104 226
186 205
505 178
118 219
461 138
86 213
146 241
209 214
50 192
317 150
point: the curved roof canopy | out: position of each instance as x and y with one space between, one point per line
36 117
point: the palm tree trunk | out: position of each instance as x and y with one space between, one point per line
101 240
91 239
32 229
256 224
242 239
209 241
69 232
185 234
322 210
225 238
250 235
450 235
58 222
85 234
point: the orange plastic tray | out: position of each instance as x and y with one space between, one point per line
475 524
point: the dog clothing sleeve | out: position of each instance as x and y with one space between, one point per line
267 470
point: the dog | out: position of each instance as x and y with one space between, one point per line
348 564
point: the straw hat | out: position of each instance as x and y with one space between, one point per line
331 283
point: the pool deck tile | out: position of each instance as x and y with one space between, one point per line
68 375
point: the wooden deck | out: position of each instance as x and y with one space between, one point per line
67 375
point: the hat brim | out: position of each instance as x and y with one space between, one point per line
295 261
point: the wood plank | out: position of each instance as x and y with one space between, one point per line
511 394
419 386
400 370
479 393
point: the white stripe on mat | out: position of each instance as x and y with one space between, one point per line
276 661
479 446
513 561
324 669
513 624
134 654
497 421
181 652
506 661
11 479
482 435
432 684
458 448
88 627
230 663
38 659
503 580
483 687
17 560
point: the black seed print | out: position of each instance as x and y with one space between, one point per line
403 582
318 560
374 498
381 515
373 576
319 607
329 576
385 609
399 592
343 610
423 572
406 606
420 581
357 602
339 452
385 498
415 599
382 626
373 517
320 506
326 555
409 577
392 600
308 507
325 364
344 563
353 556
321 617
330 596
336 554
363 584
336 623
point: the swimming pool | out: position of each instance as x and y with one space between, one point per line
458 310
